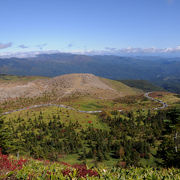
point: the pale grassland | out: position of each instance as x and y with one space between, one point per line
126 90
66 116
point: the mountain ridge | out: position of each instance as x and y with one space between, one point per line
161 71
65 86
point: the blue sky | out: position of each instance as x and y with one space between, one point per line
89 25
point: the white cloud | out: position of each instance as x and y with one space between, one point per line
26 54
5 45
131 50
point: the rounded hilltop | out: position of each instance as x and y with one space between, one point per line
67 85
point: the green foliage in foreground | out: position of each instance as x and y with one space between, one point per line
137 138
46 170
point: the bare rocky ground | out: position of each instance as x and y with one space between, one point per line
61 86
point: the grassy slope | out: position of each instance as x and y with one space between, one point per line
82 118
123 103
89 103
85 103
170 98
66 116
81 103
133 100
119 86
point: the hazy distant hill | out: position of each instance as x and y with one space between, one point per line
142 84
160 70
170 84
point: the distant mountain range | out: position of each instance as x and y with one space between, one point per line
162 71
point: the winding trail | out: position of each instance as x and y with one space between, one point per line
164 105
46 105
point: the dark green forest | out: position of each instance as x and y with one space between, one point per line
132 139
142 84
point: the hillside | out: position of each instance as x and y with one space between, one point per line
111 138
12 78
124 133
63 86
142 84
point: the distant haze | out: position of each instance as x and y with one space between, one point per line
161 70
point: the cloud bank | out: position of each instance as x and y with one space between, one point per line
130 51
143 50
26 54
135 51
